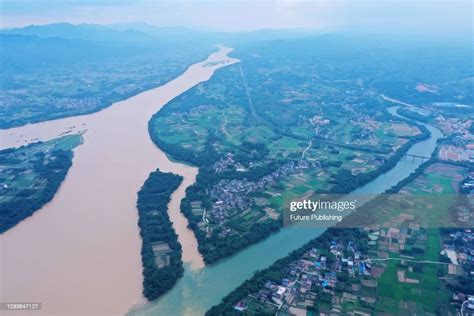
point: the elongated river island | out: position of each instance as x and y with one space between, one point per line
80 254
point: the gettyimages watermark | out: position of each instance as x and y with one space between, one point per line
370 210
322 211
319 210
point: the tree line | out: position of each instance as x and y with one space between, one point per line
155 226
278 270
52 170
345 182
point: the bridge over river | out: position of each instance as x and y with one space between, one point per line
414 157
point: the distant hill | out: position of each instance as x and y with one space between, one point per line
271 34
157 31
132 34
168 34
91 32
144 34
58 44
22 52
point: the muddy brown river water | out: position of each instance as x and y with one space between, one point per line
80 254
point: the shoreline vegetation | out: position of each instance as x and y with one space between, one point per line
135 159
238 134
274 272
344 183
94 170
31 176
161 251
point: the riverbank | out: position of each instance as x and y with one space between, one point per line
199 290
88 233
370 210
274 272
31 175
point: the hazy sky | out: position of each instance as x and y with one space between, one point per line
409 15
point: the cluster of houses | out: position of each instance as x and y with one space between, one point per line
458 246
456 153
89 102
462 147
319 120
367 128
227 163
313 270
353 262
451 126
231 196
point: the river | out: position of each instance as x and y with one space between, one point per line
200 289
80 254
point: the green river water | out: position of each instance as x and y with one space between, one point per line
199 290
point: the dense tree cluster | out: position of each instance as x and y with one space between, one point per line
52 169
155 226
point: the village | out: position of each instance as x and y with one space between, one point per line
461 138
342 279
232 196
307 278
401 264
